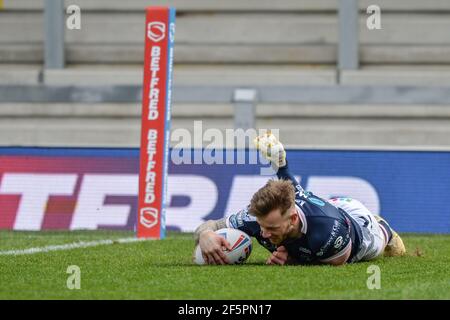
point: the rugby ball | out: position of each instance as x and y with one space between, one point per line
240 242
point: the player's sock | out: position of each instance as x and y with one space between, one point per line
386 229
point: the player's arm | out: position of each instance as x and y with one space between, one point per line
210 225
211 244
281 257
241 220
285 174
273 150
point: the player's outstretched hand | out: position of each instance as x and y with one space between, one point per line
213 246
279 257
271 149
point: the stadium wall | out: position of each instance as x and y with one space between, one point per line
92 188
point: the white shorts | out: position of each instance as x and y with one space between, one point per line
373 240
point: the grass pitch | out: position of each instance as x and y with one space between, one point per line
163 270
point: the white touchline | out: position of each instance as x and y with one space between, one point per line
69 246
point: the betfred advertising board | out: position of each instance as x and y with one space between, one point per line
72 189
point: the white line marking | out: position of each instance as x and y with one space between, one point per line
69 246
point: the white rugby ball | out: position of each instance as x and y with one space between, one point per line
240 243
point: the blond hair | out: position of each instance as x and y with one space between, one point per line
276 194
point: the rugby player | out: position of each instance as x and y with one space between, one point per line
298 227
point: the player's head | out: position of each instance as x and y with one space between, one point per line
274 208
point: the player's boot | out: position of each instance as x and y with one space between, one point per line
271 148
395 246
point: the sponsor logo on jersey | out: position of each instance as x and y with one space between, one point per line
237 220
305 250
338 242
338 199
240 218
233 221
316 201
333 234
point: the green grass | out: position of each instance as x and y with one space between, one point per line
163 270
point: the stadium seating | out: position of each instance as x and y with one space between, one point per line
232 43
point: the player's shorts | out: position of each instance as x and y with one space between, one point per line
373 240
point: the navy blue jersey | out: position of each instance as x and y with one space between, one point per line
327 230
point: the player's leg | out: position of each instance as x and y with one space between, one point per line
374 241
376 231
394 244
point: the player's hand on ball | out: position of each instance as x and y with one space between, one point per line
213 246
271 149
279 257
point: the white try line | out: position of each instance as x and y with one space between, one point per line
69 246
